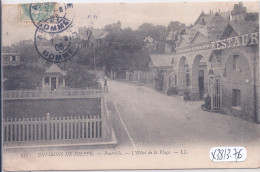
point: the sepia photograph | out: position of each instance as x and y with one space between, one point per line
130 85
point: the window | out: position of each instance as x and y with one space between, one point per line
236 97
60 80
203 21
6 58
175 79
235 62
46 80
13 58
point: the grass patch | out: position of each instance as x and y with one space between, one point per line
56 107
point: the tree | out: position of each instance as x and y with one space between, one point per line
123 48
158 32
113 27
21 77
79 77
175 25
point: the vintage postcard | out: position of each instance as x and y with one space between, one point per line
151 85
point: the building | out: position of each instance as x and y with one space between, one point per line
162 66
235 62
11 59
193 51
172 38
220 58
90 37
150 43
54 78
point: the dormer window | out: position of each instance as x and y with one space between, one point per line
202 21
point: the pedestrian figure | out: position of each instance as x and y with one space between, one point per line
105 85
105 81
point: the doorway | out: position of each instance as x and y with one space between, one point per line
53 83
201 83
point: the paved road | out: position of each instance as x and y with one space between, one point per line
144 117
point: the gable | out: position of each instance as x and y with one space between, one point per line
182 43
199 18
199 38
228 32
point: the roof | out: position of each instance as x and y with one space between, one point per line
204 32
240 29
245 28
103 36
14 54
171 35
187 38
225 15
161 60
149 40
55 69
7 49
214 19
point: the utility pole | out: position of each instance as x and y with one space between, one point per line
94 56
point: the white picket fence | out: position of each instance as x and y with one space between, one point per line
25 94
52 128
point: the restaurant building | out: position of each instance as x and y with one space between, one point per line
221 60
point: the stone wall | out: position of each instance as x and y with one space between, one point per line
242 79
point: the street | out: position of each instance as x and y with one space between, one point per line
142 116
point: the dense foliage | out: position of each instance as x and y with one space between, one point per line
21 77
78 77
122 49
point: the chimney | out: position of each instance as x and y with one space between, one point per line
240 4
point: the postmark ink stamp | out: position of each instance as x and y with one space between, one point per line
56 47
55 38
51 19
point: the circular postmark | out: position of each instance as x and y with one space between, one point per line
56 47
51 17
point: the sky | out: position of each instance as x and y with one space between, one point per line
130 14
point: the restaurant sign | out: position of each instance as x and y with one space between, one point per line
232 42
237 41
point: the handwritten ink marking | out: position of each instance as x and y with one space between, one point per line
231 154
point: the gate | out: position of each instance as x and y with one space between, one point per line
216 96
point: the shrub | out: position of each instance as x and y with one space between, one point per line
21 77
187 95
78 77
172 91
207 103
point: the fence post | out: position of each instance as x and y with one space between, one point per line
48 126
15 129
